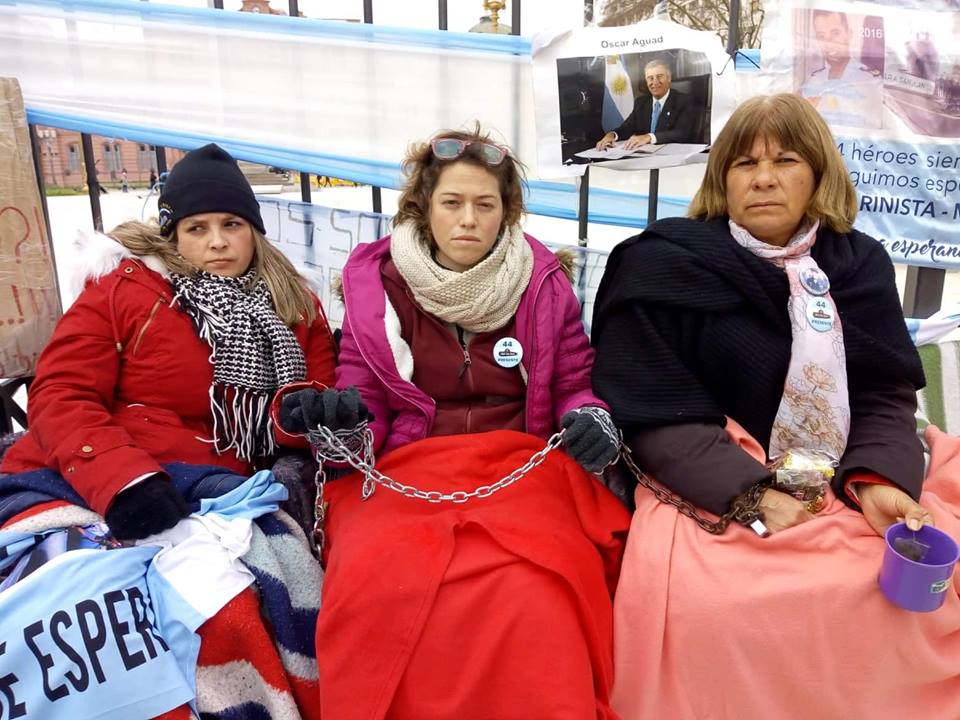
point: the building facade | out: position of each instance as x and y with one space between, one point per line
61 158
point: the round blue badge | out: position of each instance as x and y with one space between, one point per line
820 314
815 281
508 352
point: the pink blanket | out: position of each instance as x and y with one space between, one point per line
792 626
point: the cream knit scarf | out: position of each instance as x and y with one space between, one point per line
480 299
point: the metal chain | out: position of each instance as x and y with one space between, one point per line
329 445
319 507
744 510
348 443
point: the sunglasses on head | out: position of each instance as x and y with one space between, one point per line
451 148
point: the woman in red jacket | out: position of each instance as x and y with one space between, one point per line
174 351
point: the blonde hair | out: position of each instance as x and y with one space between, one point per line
423 170
796 126
292 301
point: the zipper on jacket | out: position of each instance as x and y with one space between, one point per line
143 330
466 353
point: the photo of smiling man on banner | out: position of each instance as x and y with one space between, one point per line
664 115
841 84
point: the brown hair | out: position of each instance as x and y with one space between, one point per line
292 301
796 126
423 170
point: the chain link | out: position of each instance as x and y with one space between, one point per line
355 447
334 446
319 507
744 509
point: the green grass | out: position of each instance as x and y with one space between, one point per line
111 186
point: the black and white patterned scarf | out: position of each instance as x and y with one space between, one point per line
253 354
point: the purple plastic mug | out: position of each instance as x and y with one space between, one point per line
919 585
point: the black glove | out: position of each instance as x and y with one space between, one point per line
591 438
145 509
304 410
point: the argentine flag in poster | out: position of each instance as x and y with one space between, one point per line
617 94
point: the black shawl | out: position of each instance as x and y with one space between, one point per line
690 327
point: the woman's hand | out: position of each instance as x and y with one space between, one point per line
151 506
782 511
305 409
884 505
590 437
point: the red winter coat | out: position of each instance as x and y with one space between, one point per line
123 386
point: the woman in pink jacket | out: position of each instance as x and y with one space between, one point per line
459 322
456 324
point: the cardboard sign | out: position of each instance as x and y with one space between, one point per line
29 302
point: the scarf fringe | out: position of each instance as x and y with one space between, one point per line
252 352
241 421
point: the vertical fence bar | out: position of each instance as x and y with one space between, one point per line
653 186
161 153
733 33
653 195
305 194
93 185
368 19
515 18
442 14
42 187
583 219
583 207
923 293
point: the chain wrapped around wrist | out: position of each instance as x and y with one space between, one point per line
744 510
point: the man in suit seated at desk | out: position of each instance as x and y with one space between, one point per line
663 116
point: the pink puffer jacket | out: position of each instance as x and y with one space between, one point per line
557 356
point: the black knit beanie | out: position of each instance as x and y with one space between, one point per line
207 180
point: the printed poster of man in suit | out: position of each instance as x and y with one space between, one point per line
613 94
664 115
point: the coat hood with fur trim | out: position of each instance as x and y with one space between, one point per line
98 255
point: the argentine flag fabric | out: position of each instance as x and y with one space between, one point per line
617 94
932 329
111 634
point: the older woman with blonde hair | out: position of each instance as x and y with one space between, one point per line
756 358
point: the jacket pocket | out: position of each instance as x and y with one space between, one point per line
88 444
157 431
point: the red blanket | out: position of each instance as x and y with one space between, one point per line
495 608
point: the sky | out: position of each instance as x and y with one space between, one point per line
535 15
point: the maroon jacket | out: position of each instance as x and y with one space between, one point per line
471 391
123 387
